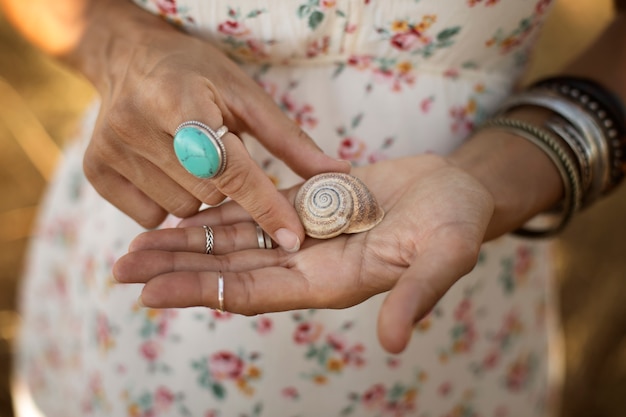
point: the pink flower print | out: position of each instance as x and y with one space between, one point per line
350 28
290 393
307 332
376 156
383 75
336 341
360 62
518 373
318 47
150 350
166 7
427 104
351 149
256 48
264 325
452 73
398 409
542 6
406 41
374 397
225 365
466 340
354 355
491 360
304 117
473 3
287 102
462 311
460 119
445 388
393 362
217 315
163 399
523 260
270 88
103 332
233 28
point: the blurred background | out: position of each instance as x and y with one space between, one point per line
40 106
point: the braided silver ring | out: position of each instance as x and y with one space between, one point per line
208 239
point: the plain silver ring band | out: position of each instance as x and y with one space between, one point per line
263 238
208 236
268 240
260 237
220 293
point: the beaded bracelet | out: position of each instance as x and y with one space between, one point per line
605 107
558 153
595 142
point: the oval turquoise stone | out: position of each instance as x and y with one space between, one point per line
197 152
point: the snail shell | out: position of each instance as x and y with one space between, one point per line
333 203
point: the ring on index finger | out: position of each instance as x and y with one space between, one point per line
200 149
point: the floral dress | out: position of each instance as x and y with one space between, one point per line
369 80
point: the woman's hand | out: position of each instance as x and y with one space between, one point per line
151 78
436 218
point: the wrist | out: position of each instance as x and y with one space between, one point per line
521 178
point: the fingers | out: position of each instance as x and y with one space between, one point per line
147 265
245 293
126 196
243 181
282 136
225 239
227 213
420 287
246 183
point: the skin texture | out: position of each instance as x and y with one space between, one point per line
151 77
422 247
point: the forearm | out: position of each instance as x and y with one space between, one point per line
521 178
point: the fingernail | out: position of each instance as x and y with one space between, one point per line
287 240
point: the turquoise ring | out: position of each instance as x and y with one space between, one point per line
200 149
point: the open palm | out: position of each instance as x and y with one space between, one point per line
436 217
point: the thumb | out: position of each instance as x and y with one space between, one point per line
417 291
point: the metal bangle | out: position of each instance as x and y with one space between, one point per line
605 107
583 122
576 142
562 161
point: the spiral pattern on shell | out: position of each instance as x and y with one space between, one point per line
333 203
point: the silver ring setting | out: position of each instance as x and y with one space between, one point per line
263 238
208 239
200 149
220 293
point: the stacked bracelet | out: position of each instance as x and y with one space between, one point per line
585 138
595 144
561 158
604 107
